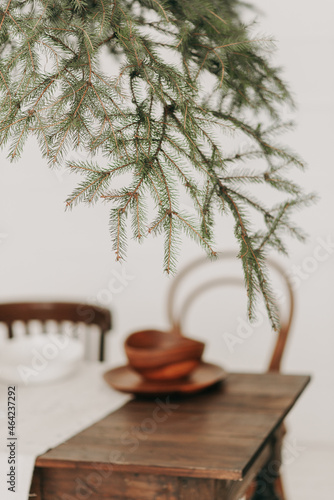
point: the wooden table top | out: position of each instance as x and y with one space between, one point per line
217 434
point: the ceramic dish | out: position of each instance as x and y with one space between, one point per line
159 355
125 379
39 358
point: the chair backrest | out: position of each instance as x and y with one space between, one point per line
177 318
58 312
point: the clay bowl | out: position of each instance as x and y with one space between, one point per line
159 355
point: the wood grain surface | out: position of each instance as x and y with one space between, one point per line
218 434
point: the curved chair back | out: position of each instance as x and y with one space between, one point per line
58 312
177 318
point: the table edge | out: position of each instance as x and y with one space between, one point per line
235 475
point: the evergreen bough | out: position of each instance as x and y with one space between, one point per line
96 77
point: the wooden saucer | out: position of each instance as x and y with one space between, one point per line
125 379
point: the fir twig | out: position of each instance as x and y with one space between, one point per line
160 125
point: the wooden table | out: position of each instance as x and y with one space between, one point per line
208 446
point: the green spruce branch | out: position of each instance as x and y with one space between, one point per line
154 87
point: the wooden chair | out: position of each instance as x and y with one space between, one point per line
59 312
177 318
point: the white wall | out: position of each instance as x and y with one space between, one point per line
45 252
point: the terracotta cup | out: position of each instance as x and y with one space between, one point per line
159 355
